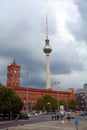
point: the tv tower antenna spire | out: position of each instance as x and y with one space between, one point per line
46 26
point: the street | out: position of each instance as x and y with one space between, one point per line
44 122
35 119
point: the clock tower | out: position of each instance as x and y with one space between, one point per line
13 75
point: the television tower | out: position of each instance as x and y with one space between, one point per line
47 49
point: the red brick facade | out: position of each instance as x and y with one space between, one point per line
30 95
13 75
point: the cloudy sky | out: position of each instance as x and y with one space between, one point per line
22 33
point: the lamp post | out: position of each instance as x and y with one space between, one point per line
50 105
67 106
27 95
58 105
27 99
86 100
44 108
57 82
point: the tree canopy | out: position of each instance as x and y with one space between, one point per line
49 103
46 103
9 101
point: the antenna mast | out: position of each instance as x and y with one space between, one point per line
46 26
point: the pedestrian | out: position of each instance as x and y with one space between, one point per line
68 117
16 119
57 117
52 117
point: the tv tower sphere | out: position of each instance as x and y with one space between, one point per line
47 49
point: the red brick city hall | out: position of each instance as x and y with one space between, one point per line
31 95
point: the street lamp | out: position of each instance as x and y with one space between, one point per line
27 94
44 107
86 99
57 82
50 105
58 105
27 99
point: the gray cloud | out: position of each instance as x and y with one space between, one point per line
79 28
66 61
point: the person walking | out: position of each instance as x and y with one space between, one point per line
57 117
68 117
52 117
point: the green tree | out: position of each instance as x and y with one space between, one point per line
39 104
72 104
61 102
46 103
10 103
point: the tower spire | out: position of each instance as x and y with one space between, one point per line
14 60
46 26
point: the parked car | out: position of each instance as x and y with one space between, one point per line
85 112
36 114
82 113
70 116
29 115
40 113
